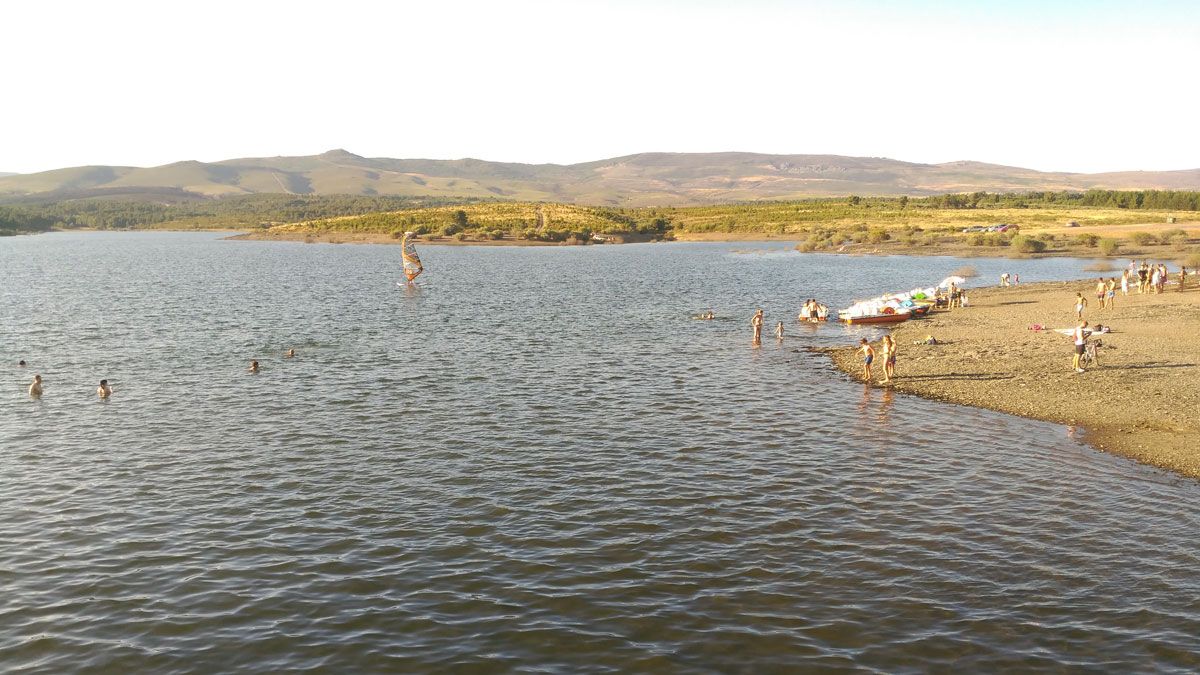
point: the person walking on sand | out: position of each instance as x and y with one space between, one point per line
104 391
889 358
35 387
757 322
1080 305
868 353
1080 336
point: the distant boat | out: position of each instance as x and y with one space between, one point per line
412 262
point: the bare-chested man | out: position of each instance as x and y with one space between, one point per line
757 323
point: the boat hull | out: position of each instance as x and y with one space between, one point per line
876 318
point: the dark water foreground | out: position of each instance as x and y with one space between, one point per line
537 462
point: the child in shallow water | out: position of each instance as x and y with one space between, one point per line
868 353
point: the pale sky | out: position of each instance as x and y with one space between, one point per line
1050 85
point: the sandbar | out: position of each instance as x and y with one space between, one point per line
1141 402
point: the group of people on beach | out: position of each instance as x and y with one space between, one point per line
887 349
1150 278
105 390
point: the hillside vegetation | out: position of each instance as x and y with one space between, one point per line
648 179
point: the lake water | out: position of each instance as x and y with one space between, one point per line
536 461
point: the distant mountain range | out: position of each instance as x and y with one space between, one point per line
647 179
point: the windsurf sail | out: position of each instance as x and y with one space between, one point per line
412 262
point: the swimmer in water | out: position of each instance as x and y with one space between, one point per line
779 331
291 353
254 366
104 391
21 363
35 388
757 322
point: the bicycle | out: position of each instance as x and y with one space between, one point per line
1091 354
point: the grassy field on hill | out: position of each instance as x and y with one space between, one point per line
1034 225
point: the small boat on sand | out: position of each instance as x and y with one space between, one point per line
875 318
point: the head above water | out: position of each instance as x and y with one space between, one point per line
103 383
21 363
37 378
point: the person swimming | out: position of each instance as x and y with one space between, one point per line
104 391
21 363
291 353
35 387
253 366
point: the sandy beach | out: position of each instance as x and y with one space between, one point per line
1140 402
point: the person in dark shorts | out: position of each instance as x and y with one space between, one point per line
868 353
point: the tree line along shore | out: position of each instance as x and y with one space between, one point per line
1160 224
1138 401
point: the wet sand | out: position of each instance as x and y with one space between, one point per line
1142 401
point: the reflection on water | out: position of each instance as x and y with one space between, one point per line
537 460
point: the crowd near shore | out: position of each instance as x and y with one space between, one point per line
1110 356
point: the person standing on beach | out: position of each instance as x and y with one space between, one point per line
889 358
757 323
35 387
1080 344
1125 283
1004 280
1100 289
1110 292
1080 305
868 353
1182 276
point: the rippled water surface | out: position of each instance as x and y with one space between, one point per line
537 461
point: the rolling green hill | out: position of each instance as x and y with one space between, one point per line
648 179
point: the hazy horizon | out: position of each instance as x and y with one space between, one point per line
1056 86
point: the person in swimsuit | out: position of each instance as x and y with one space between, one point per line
889 358
779 331
1080 305
291 354
757 323
1110 292
253 367
868 353
1080 335
104 391
35 387
1100 292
